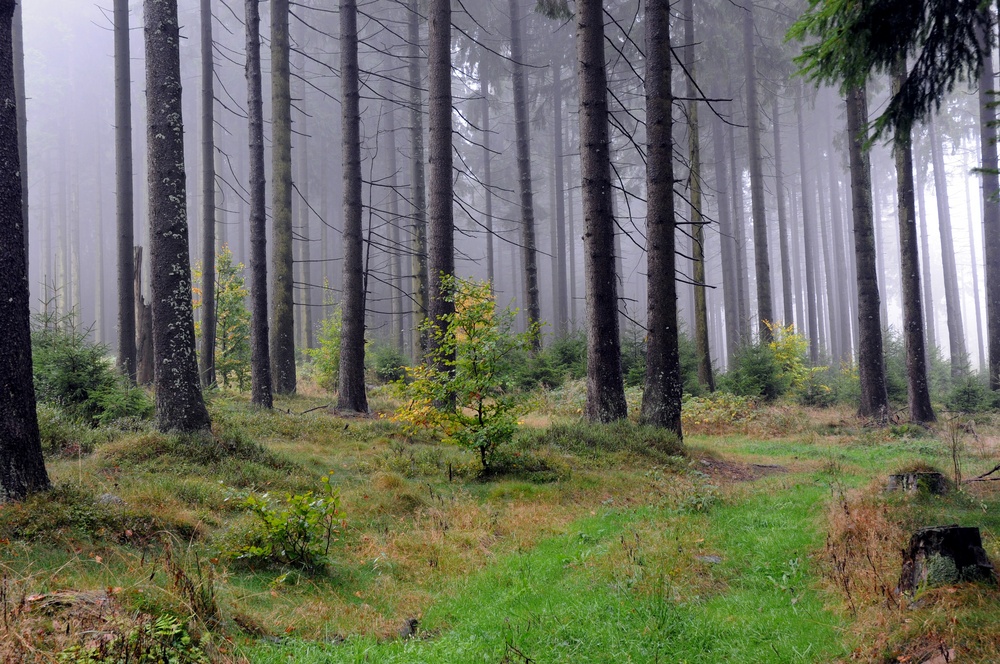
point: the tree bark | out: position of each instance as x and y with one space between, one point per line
352 394
560 304
522 134
418 195
488 185
787 302
952 298
918 394
179 403
925 255
809 238
124 194
441 221
260 366
206 359
605 389
991 213
974 265
840 274
22 468
871 362
143 317
661 398
20 99
739 238
395 259
762 261
283 316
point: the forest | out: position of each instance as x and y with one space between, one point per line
499 330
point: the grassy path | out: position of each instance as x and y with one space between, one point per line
629 586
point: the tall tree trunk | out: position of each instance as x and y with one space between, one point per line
918 394
143 317
841 274
571 248
522 134
260 365
730 281
123 196
283 316
560 304
22 468
871 362
880 251
974 264
991 212
779 185
395 260
179 403
705 375
809 238
925 258
488 185
762 261
99 237
952 298
829 276
206 359
441 220
418 195
305 215
661 399
20 99
605 389
352 337
739 237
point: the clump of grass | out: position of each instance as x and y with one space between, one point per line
594 441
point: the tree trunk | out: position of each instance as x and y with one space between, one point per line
762 261
22 468
179 403
730 281
206 359
605 390
395 261
991 213
918 394
829 276
441 221
871 362
283 316
739 237
418 195
123 196
571 248
488 185
143 317
779 185
17 37
840 274
925 253
523 142
952 298
260 366
560 304
705 374
352 337
809 238
974 265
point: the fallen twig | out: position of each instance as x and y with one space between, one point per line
316 408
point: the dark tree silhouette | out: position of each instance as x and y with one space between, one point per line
123 194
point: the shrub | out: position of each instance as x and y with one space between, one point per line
76 375
970 394
326 358
386 363
470 369
232 320
298 533
755 372
594 440
717 413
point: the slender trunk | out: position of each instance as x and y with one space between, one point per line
260 366
705 374
523 143
418 195
179 403
207 357
880 251
99 267
840 275
808 237
974 265
283 315
22 468
925 253
395 262
829 277
352 337
661 399
871 362
779 184
560 304
123 197
762 262
571 248
739 237
488 186
441 221
918 394
952 298
143 326
730 280
991 213
605 389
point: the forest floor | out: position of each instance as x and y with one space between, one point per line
771 540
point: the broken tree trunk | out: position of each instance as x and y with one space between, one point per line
943 555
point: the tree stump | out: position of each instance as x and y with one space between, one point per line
943 555
918 482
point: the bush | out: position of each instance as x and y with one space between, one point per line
971 394
326 358
755 372
298 533
386 363
76 375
